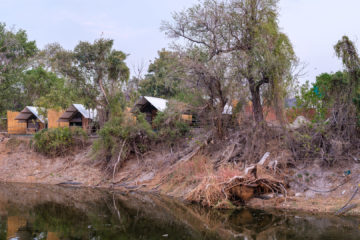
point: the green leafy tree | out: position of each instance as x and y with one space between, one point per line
322 94
15 54
45 89
95 71
246 31
164 76
346 91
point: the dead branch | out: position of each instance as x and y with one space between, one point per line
118 159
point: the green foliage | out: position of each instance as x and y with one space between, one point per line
102 64
323 94
169 124
122 128
45 89
346 91
164 76
15 54
59 141
95 72
192 98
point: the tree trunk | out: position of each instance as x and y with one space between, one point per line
256 101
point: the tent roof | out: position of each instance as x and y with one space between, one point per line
86 113
29 111
227 109
71 111
158 103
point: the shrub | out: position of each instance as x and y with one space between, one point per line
120 136
59 141
169 124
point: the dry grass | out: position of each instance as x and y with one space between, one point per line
223 186
210 191
206 182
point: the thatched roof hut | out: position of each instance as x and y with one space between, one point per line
150 106
33 119
78 115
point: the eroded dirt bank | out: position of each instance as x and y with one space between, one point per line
156 171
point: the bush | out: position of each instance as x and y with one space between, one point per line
120 136
124 134
169 124
59 141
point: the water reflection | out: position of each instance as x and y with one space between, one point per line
54 213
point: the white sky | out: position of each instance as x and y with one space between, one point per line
314 26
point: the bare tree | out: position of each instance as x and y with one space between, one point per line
212 78
246 29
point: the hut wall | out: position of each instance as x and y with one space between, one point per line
13 225
186 117
53 117
52 236
14 127
85 123
33 127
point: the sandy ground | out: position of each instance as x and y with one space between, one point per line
18 163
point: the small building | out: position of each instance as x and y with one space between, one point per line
31 116
150 106
13 126
78 115
53 116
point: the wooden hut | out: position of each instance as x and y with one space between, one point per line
78 115
14 223
150 107
31 116
13 126
53 117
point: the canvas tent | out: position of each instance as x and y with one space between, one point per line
31 116
150 106
79 115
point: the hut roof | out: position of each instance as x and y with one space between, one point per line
29 111
73 109
228 109
158 103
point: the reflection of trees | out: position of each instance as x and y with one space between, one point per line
59 218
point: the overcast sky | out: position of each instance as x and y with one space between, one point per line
314 26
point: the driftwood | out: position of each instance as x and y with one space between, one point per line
71 183
226 156
346 209
257 179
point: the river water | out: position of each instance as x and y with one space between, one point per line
57 212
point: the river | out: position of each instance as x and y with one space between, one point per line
49 212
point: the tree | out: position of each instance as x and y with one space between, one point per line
322 95
164 76
96 71
247 30
39 84
346 91
212 78
15 54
